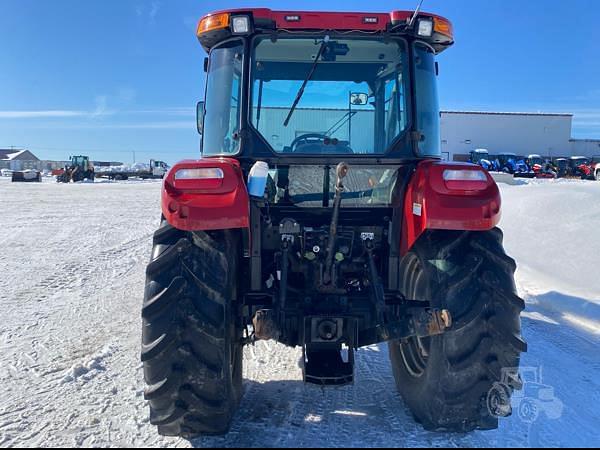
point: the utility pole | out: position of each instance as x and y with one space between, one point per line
134 156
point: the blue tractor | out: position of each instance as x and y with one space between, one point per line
517 166
481 157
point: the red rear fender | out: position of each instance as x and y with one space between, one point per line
449 196
206 194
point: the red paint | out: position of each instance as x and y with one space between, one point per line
443 206
466 185
196 205
585 169
205 184
327 20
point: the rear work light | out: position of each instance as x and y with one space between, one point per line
465 180
240 24
425 28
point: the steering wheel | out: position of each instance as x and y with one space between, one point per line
308 138
314 143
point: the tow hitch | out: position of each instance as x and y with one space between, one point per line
330 342
328 354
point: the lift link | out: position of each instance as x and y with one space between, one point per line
341 171
377 289
286 240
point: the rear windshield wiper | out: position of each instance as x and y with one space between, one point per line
306 80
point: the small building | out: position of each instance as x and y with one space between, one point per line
15 159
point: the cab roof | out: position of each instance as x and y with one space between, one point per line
265 18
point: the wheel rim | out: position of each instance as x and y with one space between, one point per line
528 411
415 351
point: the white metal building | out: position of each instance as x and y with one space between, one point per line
546 134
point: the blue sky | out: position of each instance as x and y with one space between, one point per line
110 77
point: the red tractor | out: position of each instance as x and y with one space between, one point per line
322 216
581 167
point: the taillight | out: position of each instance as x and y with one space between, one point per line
199 174
199 178
465 179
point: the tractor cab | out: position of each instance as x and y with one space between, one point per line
306 87
579 166
79 169
479 154
505 158
562 166
481 157
576 161
507 162
80 161
536 160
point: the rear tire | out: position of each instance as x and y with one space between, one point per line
191 346
446 380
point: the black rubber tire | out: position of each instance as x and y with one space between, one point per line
191 344
469 274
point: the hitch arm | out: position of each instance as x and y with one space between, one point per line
416 322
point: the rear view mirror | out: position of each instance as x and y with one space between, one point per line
200 110
359 98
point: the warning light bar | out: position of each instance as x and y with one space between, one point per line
221 25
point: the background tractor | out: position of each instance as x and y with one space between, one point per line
481 157
80 169
323 236
580 167
562 166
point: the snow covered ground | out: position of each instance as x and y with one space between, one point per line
72 261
